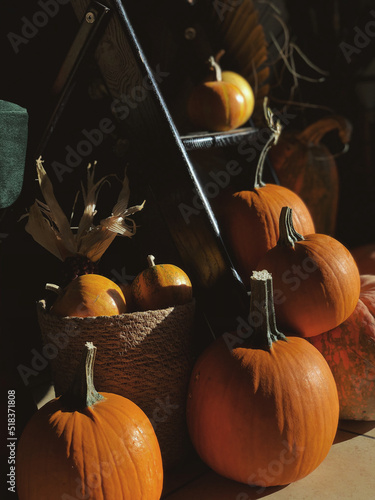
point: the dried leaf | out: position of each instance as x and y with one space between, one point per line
90 197
95 242
57 214
42 231
49 226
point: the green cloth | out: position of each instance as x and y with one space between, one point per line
13 144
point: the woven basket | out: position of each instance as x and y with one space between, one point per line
144 356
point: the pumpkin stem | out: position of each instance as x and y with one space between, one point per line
53 288
275 128
262 308
288 235
151 260
82 392
219 55
215 67
313 133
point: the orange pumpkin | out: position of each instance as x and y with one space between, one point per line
349 349
89 295
249 219
306 166
219 105
262 408
316 280
86 444
160 286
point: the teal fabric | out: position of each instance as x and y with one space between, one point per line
13 144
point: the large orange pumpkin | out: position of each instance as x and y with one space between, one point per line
316 280
249 219
349 350
89 445
262 408
89 295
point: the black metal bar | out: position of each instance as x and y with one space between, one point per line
207 140
172 186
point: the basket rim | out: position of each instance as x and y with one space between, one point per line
42 308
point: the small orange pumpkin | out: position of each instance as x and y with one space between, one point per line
219 105
89 295
316 280
86 444
262 408
160 286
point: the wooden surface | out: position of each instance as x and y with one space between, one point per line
346 473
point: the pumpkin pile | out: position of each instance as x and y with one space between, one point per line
256 393
317 283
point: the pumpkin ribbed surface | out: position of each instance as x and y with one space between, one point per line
160 286
106 451
317 284
90 295
266 412
250 222
316 280
349 350
272 413
217 106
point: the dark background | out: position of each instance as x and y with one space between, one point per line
319 28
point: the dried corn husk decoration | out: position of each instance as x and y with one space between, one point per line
49 226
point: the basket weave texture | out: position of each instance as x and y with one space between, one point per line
146 357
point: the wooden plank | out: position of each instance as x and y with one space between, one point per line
329 480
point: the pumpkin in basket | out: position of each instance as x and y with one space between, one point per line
316 279
349 349
160 286
86 444
88 295
259 401
307 167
